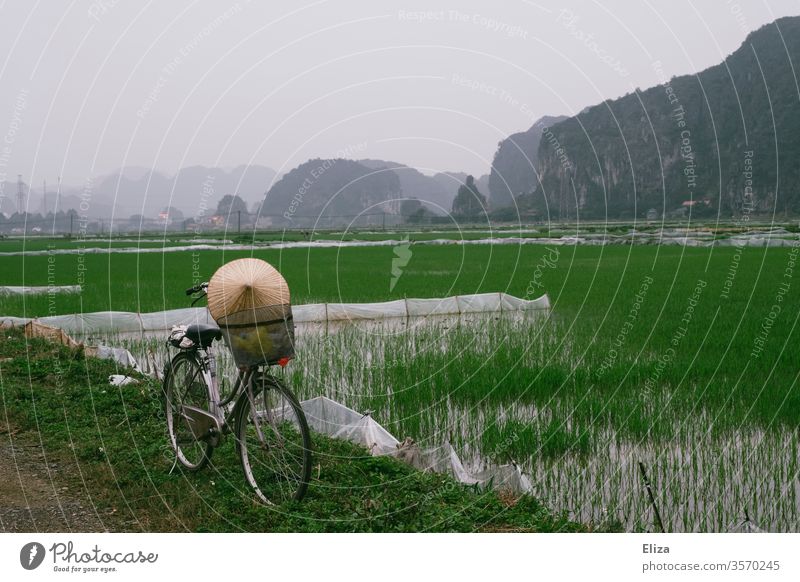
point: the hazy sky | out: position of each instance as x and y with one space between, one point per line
88 87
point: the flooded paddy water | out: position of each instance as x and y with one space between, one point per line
524 388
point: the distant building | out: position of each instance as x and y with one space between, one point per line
264 222
681 212
690 203
653 214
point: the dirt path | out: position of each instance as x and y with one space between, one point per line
38 495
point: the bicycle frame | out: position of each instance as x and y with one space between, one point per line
207 362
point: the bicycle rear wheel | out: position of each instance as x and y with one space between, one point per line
273 441
184 389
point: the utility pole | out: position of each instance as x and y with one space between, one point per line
44 198
239 226
71 216
58 196
20 195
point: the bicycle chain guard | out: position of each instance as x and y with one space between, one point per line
203 425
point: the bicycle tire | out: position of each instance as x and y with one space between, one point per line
184 385
286 438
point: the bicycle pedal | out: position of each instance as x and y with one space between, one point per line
214 437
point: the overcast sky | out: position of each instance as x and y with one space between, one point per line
88 87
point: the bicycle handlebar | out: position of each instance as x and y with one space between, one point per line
197 288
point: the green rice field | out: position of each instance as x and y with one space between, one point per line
682 358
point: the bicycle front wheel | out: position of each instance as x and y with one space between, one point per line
273 441
184 390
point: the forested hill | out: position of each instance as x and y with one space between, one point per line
328 192
514 165
693 137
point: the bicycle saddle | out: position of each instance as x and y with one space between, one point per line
203 333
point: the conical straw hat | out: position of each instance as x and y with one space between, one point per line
245 284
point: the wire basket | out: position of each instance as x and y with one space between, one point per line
260 335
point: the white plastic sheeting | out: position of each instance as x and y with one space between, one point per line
681 237
9 321
132 250
328 417
120 355
126 323
476 303
38 290
121 380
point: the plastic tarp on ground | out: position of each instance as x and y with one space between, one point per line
9 321
120 355
34 329
165 320
126 323
423 307
344 311
682 236
328 417
310 312
112 321
477 303
39 290
123 322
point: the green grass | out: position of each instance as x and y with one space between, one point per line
117 437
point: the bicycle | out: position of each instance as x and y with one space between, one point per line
268 424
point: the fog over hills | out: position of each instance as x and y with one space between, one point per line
138 190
